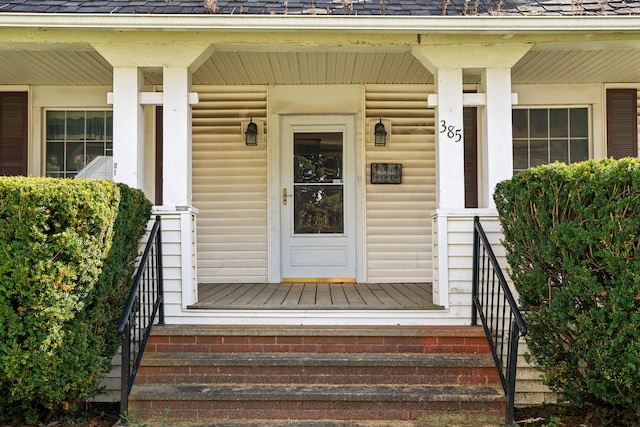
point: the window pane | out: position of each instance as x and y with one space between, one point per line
55 125
95 125
579 122
539 153
539 123
109 125
559 151
55 156
559 123
579 150
520 155
94 149
75 156
520 123
75 125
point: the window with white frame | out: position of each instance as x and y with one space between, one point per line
546 135
79 144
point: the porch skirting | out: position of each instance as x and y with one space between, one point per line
316 296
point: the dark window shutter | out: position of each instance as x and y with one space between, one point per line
622 123
159 157
470 120
13 133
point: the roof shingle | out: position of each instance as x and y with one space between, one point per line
333 7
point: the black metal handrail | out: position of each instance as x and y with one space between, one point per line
144 302
493 301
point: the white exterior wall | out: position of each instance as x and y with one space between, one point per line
230 186
399 243
111 382
457 224
178 242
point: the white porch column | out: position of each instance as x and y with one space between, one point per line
497 148
128 127
449 139
447 60
177 167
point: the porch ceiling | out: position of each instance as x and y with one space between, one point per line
84 66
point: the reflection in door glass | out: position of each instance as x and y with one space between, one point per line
318 183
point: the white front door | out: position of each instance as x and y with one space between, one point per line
318 198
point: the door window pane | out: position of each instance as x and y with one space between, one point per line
318 183
318 209
317 157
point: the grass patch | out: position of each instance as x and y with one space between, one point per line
461 420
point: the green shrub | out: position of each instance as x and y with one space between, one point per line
572 237
109 297
60 290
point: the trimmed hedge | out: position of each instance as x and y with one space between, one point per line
67 249
572 237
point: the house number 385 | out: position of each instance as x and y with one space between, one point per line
450 132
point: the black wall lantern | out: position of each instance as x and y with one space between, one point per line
251 134
380 134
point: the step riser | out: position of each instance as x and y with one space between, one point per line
454 362
316 375
276 344
307 410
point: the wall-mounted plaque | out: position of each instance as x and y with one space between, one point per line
386 173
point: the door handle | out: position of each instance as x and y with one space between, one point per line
284 196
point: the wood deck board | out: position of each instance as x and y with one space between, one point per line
308 296
235 294
292 299
369 297
411 292
267 292
400 297
318 296
278 297
338 298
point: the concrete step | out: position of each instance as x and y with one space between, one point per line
317 368
317 401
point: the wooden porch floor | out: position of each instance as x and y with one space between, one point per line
316 296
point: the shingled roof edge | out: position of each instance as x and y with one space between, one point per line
284 23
